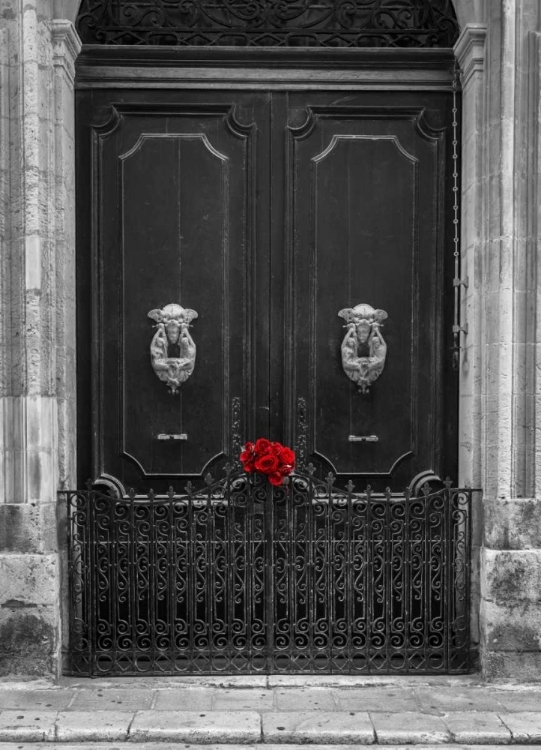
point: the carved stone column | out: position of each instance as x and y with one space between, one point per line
37 365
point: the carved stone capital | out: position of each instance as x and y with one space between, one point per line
470 50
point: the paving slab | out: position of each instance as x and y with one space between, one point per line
525 727
390 698
319 727
303 699
27 725
113 699
199 727
174 746
519 700
477 728
445 699
43 699
96 726
243 700
183 699
409 728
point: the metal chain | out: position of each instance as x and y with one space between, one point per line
457 282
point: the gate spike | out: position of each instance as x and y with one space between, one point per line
407 493
171 493
227 469
132 493
330 478
388 493
209 478
151 494
350 486
425 489
88 484
189 488
311 469
448 482
368 491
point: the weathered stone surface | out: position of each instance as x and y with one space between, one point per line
128 699
502 665
93 726
44 700
28 580
184 699
520 699
444 699
512 523
27 726
477 727
511 603
376 699
525 727
28 641
320 727
305 698
28 528
194 726
409 728
243 700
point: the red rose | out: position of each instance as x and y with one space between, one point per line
276 478
262 445
249 466
285 471
246 455
249 447
287 456
267 464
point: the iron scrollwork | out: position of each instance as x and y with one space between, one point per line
269 23
172 323
363 349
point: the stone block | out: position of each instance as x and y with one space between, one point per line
409 728
477 728
512 524
29 641
451 699
525 727
28 528
93 726
27 726
519 699
202 727
29 580
505 665
510 617
318 727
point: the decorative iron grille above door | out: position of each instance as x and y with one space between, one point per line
268 23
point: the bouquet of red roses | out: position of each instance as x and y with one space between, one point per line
274 460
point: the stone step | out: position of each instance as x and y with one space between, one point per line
179 746
207 727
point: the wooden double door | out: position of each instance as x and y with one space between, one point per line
290 222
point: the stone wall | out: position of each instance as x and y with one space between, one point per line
37 333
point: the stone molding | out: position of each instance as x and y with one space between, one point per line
66 46
470 50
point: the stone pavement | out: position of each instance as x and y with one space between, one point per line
159 713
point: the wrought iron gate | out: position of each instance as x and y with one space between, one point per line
239 577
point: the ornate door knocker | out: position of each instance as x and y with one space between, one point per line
173 322
363 348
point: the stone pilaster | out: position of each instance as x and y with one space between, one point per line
37 375
506 263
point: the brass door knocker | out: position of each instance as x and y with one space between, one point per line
363 349
172 323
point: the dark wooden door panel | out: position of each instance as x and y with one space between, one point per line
176 193
366 184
